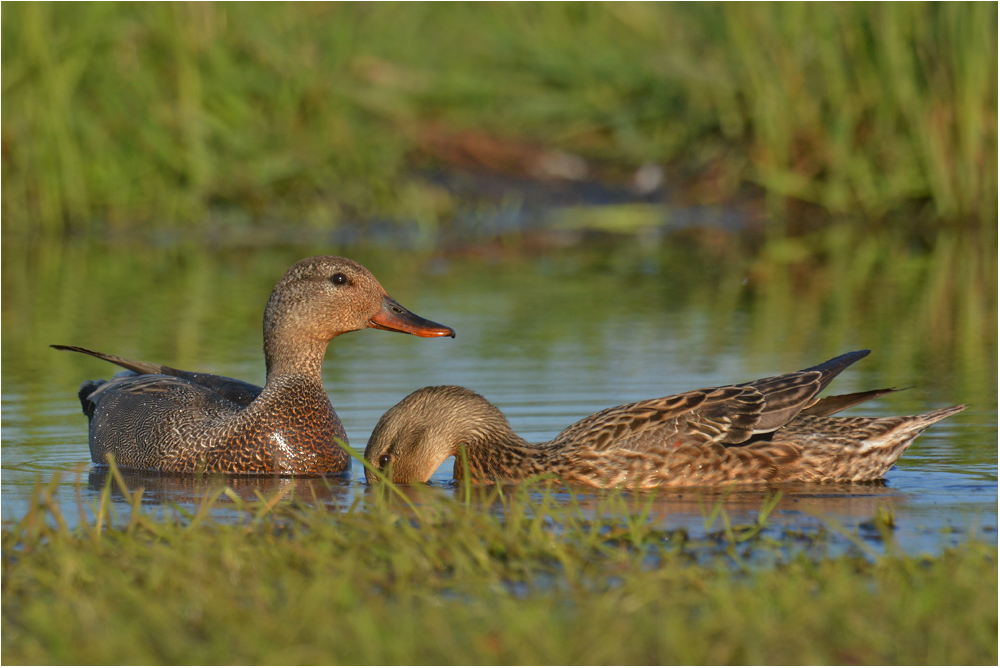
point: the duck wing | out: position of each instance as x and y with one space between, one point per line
153 421
150 389
700 416
787 395
728 415
237 391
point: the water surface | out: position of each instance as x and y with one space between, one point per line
549 337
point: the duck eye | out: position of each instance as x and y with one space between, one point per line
339 279
383 461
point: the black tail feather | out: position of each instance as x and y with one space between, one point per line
838 402
87 388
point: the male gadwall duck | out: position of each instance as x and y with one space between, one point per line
163 419
770 430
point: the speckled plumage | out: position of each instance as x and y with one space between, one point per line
769 430
154 417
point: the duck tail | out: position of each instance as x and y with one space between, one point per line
132 365
870 450
838 402
87 389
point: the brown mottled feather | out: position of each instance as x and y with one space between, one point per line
770 430
158 418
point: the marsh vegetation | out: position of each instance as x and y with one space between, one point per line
125 116
539 581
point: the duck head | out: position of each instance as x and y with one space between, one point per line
322 297
415 436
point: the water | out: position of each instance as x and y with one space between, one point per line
550 338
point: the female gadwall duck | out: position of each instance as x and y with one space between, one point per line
164 419
769 430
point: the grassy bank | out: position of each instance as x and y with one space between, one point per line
443 582
129 115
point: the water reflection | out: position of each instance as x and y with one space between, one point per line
165 489
857 502
849 500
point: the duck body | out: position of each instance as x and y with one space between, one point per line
158 418
165 423
766 431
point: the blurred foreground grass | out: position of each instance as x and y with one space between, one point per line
129 115
443 582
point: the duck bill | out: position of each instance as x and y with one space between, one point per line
394 318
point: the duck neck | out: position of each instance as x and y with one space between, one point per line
291 355
500 455
293 345
294 386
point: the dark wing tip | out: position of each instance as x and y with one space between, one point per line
841 362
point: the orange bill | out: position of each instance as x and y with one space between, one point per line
395 318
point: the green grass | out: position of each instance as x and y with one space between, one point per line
126 116
295 582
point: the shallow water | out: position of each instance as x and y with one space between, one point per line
550 338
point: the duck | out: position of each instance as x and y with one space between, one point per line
771 430
156 418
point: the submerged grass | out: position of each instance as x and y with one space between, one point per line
125 115
533 581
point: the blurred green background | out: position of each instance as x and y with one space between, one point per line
141 115
842 157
